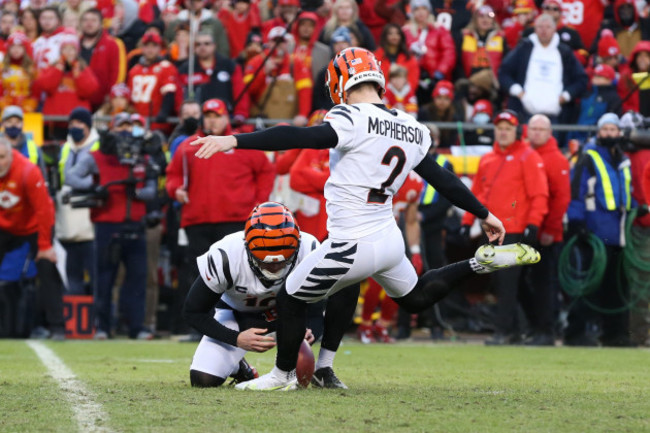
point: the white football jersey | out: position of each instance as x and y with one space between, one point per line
377 149
225 269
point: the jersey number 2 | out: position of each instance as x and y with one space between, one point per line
379 195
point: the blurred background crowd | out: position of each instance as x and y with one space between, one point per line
120 87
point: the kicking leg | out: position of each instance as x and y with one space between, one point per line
434 285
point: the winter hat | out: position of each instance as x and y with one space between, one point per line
120 90
278 32
420 3
69 37
444 88
215 106
483 79
20 38
152 37
254 37
483 106
307 15
341 34
485 10
81 114
608 46
120 119
508 116
12 111
608 119
605 71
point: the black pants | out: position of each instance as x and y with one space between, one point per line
48 309
200 237
539 290
506 284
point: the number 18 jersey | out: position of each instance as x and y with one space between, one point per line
376 150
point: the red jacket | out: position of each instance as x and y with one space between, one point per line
223 188
108 62
308 176
66 90
512 184
26 206
115 208
285 160
410 63
640 167
556 166
239 26
440 52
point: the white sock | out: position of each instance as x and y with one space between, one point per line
281 374
325 359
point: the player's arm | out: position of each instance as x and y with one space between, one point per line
198 313
450 186
277 138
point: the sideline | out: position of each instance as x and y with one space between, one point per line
89 414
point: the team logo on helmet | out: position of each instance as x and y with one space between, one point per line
350 67
272 240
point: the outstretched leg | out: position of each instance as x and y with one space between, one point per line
435 284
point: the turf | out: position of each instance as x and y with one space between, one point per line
144 387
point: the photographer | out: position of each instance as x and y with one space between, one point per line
600 200
123 179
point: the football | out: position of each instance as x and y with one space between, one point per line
305 365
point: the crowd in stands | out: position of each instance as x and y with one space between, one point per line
218 64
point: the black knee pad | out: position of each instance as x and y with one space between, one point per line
199 379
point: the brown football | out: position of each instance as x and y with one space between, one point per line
305 365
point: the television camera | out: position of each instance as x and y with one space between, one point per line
131 152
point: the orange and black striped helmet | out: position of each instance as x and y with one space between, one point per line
350 67
272 236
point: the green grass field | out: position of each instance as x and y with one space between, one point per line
144 387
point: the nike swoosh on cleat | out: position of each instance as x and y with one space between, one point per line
320 382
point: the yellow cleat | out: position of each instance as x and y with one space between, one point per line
495 257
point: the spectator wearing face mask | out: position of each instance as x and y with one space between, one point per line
481 138
73 226
600 200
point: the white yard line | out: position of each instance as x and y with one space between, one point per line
89 414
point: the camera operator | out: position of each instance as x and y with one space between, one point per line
123 179
600 201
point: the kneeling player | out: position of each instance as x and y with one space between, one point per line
240 276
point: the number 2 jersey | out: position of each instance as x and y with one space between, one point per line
225 270
377 148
